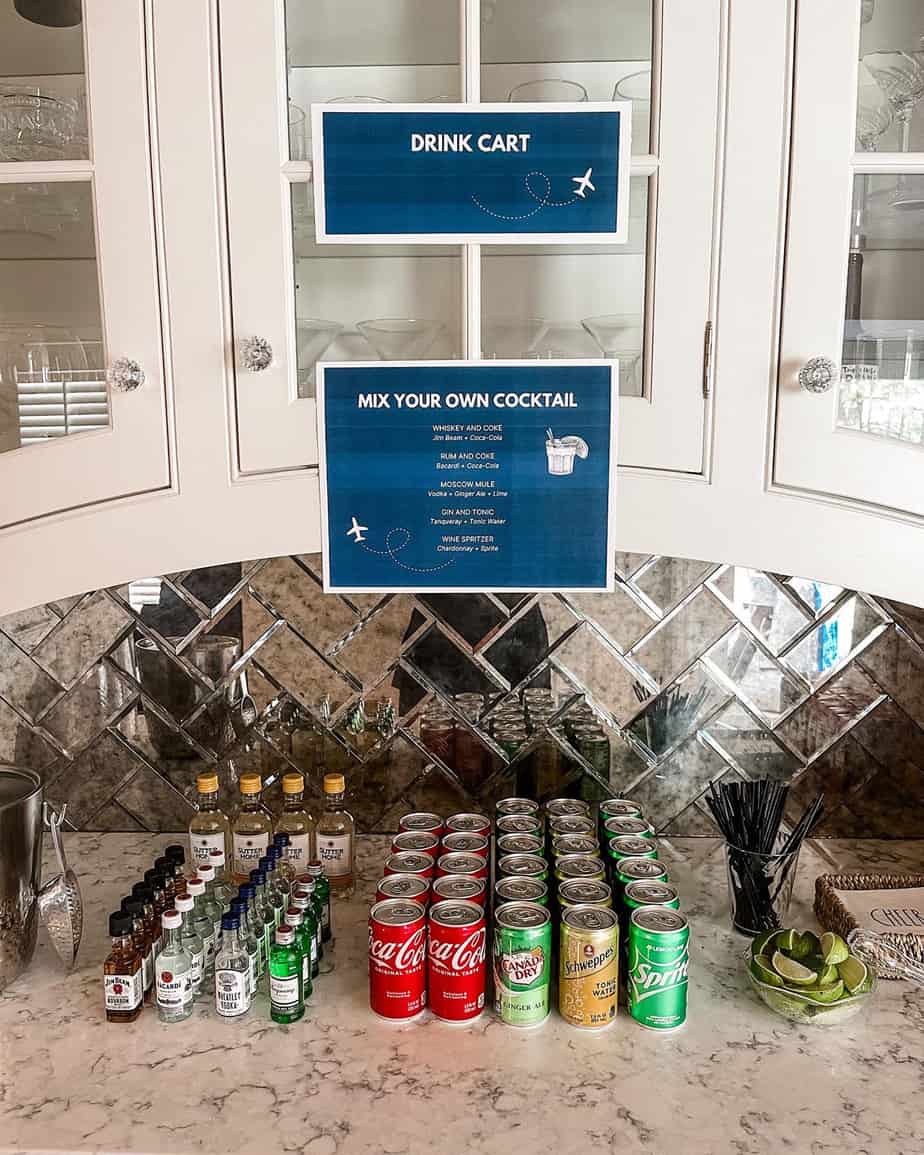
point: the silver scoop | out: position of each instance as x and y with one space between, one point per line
59 902
885 958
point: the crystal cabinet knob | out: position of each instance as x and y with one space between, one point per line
256 354
125 374
818 375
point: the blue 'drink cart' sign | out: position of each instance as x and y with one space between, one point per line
453 477
487 172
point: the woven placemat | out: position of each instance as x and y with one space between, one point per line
833 915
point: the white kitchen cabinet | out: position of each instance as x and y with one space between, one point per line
79 264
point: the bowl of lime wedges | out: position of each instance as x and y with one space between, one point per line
807 978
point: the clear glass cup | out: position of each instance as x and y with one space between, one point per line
535 91
400 338
760 886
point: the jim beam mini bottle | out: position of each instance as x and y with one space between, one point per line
335 837
123 980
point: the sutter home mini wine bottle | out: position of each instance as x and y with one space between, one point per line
335 837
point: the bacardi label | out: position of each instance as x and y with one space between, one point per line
173 990
299 849
123 992
231 993
283 992
335 853
202 845
248 849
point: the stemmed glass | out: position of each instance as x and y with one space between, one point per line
313 337
900 75
400 338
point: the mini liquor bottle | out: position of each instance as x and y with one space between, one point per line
123 980
232 971
240 909
275 896
316 871
287 997
142 940
302 902
204 927
281 844
252 829
266 914
151 920
304 940
209 828
212 907
223 890
248 894
165 866
173 973
155 880
334 837
297 822
176 856
192 940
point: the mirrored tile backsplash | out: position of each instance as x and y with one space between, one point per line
688 672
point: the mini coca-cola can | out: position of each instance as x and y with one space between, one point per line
459 863
456 960
412 886
431 823
464 843
421 841
397 959
468 824
409 862
460 886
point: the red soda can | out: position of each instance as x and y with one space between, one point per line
459 886
430 823
462 842
459 863
421 841
456 953
397 959
409 886
469 824
409 862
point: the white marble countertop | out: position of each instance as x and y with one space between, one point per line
737 1078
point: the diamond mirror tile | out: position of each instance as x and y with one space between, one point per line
690 671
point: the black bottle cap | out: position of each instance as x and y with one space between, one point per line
133 906
143 891
154 878
120 924
164 865
175 854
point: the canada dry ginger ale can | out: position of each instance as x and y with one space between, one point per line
522 963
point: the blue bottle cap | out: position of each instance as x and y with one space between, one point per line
258 877
230 922
264 863
281 839
238 906
247 892
273 853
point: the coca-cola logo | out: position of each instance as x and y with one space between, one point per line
459 956
399 956
523 966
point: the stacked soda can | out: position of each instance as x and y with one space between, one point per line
427 928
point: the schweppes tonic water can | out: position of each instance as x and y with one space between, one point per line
588 967
656 980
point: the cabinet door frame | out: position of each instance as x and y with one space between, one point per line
810 454
135 453
668 431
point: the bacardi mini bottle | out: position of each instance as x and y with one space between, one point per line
210 905
232 971
295 820
204 927
173 973
191 940
335 840
252 829
209 829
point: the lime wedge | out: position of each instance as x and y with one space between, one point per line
853 972
762 969
803 944
759 945
828 975
793 972
829 994
833 948
786 939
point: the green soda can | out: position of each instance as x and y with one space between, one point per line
644 893
584 892
523 866
519 824
520 890
579 866
618 808
619 827
557 807
631 846
656 980
571 824
627 870
522 963
563 844
519 844
505 806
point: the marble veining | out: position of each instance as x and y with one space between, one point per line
736 1079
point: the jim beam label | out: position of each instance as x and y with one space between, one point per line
123 992
248 849
299 849
334 853
202 845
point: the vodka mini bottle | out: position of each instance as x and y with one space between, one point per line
275 896
296 821
212 907
173 973
204 927
265 911
248 894
334 837
287 996
232 971
192 940
239 908
223 890
123 982
141 936
209 828
251 830
302 902
304 940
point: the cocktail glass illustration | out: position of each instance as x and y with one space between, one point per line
561 452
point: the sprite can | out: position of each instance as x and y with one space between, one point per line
644 893
656 980
618 808
522 963
584 892
626 870
522 866
617 827
520 890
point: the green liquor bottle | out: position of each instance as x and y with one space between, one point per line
316 871
304 940
287 996
302 902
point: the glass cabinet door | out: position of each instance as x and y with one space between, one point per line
79 303
850 406
646 303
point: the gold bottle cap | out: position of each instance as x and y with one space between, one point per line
334 784
250 784
293 783
207 783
